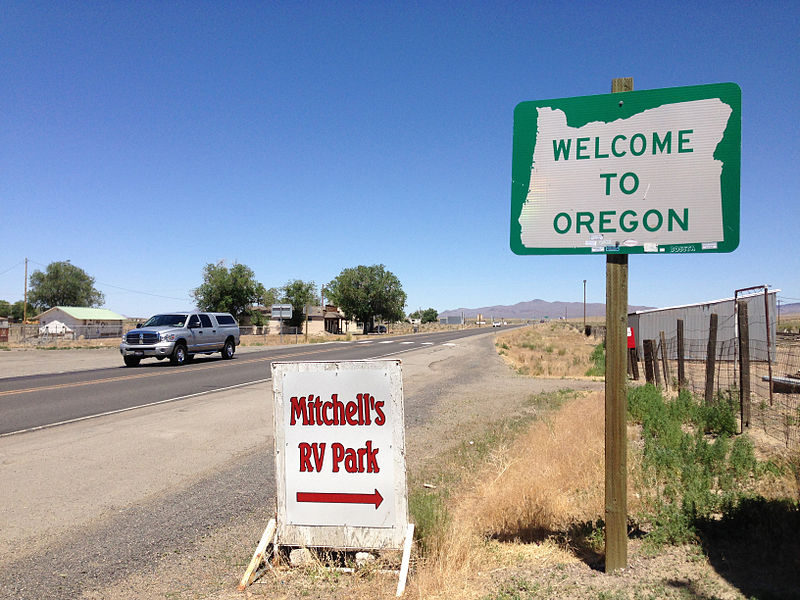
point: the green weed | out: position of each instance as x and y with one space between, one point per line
430 516
691 467
598 357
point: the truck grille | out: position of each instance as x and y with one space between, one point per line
142 338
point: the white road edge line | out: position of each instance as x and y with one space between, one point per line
122 410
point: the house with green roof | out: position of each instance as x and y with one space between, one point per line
76 322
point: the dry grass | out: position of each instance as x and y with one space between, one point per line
789 323
550 478
532 491
555 349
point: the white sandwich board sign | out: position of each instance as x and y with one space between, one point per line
340 454
633 172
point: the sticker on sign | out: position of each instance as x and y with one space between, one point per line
340 454
643 171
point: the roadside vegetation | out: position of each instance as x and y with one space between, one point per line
552 349
528 505
790 324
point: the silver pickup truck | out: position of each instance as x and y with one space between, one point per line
179 336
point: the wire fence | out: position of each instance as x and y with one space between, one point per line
773 402
35 335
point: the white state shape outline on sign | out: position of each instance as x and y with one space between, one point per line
676 180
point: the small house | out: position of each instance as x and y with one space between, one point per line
75 322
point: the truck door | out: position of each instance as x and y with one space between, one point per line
209 333
195 341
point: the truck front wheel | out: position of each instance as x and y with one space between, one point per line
179 355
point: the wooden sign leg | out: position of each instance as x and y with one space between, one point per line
258 556
401 583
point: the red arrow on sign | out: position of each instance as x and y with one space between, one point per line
340 498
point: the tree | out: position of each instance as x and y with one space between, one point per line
271 296
364 293
63 284
5 308
232 290
429 315
18 312
299 294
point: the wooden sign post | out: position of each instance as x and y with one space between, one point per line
616 513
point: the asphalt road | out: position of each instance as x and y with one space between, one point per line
40 401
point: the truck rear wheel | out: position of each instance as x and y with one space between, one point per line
228 349
131 361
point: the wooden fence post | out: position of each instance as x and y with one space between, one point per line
647 349
664 363
711 357
656 368
633 362
744 363
681 358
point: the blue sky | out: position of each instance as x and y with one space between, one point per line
142 140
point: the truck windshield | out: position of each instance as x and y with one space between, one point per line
165 321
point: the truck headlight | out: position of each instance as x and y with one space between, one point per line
166 337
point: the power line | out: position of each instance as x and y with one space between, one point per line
119 287
10 268
140 292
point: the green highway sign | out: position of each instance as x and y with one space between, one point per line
653 171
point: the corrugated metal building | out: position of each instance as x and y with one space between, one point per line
648 324
452 320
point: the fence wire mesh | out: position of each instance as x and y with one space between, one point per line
774 377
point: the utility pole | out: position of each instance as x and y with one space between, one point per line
584 305
25 299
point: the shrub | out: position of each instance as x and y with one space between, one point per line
598 357
687 474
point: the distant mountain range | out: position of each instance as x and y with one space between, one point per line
536 309
790 309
